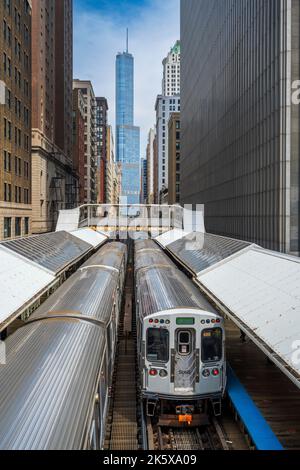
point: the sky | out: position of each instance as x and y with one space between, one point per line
100 33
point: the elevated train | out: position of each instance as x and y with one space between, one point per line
54 388
181 341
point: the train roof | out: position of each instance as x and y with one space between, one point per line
146 245
90 292
164 288
110 255
149 254
48 385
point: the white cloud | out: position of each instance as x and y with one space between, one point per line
97 40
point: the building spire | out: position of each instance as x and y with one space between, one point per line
127 40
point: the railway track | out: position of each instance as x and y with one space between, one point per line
210 437
122 428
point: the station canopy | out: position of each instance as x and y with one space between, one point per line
30 266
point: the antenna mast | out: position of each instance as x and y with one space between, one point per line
127 40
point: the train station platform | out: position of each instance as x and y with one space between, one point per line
274 395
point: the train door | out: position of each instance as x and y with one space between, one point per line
185 361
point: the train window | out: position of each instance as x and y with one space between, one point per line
184 342
184 337
157 345
212 345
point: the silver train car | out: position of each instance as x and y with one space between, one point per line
54 387
181 340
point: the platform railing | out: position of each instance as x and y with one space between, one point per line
130 217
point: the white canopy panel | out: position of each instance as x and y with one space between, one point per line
171 236
20 282
90 236
261 289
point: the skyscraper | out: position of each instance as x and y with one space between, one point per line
171 77
15 119
90 138
54 183
101 131
165 106
240 128
127 134
150 167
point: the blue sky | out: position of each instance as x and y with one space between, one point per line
100 33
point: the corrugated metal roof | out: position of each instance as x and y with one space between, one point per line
88 293
198 251
48 385
20 282
53 251
170 237
112 255
164 288
262 291
90 236
148 253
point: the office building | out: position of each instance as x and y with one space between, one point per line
144 181
171 72
174 159
101 130
55 184
150 167
239 121
127 134
165 106
15 119
78 141
90 140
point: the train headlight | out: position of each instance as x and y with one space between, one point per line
215 372
163 373
206 373
153 372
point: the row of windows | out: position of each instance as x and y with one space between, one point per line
158 344
7 5
7 34
19 192
7 232
20 110
7 68
20 169
18 135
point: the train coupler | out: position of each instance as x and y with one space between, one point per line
185 414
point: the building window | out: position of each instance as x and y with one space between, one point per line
7 227
26 170
18 227
26 226
26 196
18 194
7 161
7 129
7 192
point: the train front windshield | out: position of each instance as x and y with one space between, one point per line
157 345
212 345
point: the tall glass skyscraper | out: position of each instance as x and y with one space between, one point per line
127 135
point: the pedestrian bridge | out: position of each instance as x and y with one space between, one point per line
155 219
